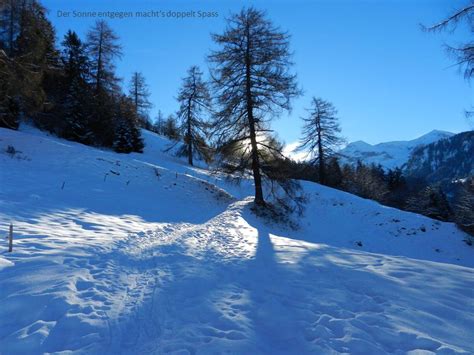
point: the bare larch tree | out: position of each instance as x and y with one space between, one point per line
140 95
253 84
321 134
103 48
464 53
194 99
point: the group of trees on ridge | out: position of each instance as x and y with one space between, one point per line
74 92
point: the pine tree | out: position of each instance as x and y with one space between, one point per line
127 134
74 57
194 98
140 94
395 179
75 108
252 85
398 189
334 175
321 134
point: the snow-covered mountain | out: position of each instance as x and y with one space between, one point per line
142 254
389 154
444 160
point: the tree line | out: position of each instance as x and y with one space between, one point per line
71 90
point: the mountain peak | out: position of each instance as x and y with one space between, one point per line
389 154
359 144
432 136
438 132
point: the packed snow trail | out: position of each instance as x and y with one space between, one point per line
231 285
162 259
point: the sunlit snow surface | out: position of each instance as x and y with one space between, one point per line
140 254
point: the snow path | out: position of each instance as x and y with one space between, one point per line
230 284
159 260
285 296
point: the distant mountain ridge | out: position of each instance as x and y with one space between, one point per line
389 154
446 159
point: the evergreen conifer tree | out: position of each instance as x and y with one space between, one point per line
75 106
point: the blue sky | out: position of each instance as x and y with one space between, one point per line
388 79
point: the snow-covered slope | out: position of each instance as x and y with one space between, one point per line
141 254
389 154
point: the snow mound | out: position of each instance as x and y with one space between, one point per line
142 254
4 263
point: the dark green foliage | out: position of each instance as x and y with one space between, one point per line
334 176
74 103
127 134
101 120
74 58
398 189
72 93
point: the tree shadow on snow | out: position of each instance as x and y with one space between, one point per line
287 298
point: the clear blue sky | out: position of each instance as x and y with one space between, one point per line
388 79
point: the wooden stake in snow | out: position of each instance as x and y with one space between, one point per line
10 239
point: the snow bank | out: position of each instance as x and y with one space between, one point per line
4 263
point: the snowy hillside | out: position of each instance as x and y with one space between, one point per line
142 254
389 154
